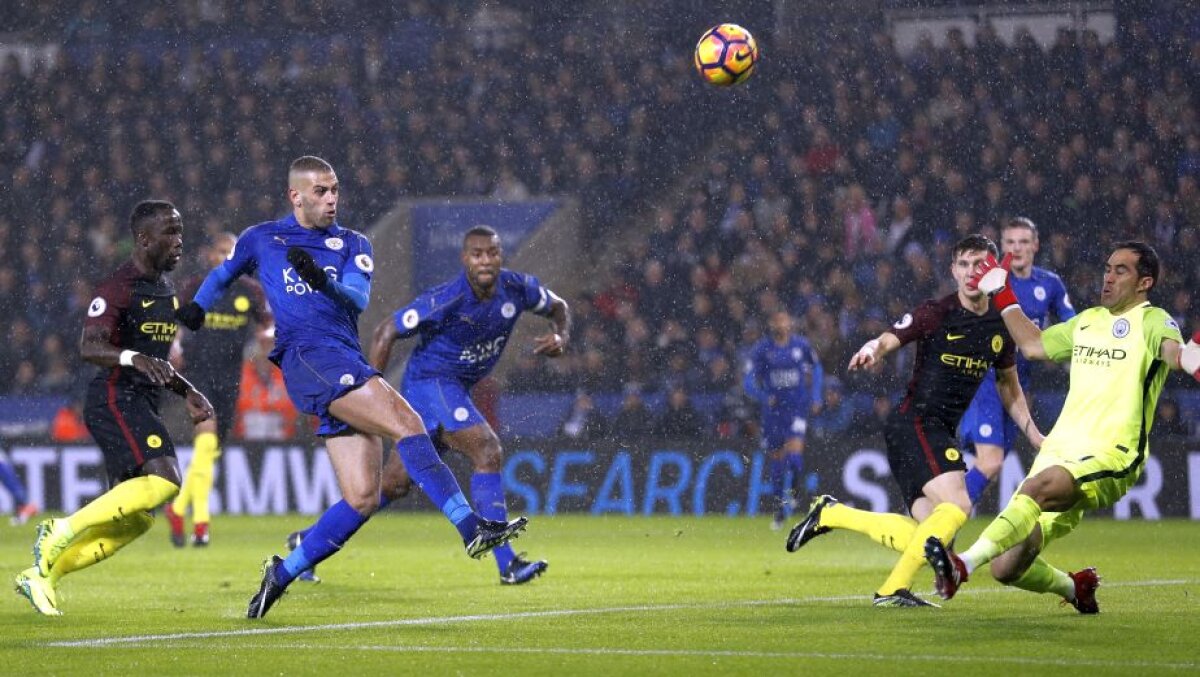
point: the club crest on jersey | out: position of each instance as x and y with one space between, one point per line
997 343
461 414
346 379
1121 328
154 441
985 430
797 354
508 310
334 243
97 307
241 304
952 454
1039 293
904 322
364 263
410 319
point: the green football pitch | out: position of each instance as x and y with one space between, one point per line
623 595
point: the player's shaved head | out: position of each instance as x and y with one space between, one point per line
479 231
146 213
305 165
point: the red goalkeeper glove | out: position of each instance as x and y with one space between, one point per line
1189 357
992 279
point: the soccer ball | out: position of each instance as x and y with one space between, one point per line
726 55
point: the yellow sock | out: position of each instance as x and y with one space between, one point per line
1011 526
945 521
139 494
1042 577
199 481
886 528
98 543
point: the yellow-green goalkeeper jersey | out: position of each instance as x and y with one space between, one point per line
1116 375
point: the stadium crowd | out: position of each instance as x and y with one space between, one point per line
832 185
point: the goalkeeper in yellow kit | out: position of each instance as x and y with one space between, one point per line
1120 354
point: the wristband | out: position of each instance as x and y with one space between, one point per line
126 358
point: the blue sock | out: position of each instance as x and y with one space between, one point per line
977 482
14 485
335 526
487 490
435 479
796 463
778 477
383 503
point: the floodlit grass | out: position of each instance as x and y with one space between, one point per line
623 595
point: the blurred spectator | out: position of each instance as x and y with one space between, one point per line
836 415
68 425
680 419
584 422
264 411
1167 420
633 419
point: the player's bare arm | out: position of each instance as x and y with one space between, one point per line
382 339
873 351
96 347
553 345
1017 406
1025 333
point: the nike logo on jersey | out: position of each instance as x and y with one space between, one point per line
955 337
1083 327
147 304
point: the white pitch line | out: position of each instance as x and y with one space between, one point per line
717 653
475 618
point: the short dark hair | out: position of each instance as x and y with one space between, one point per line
1148 264
975 243
310 163
146 210
485 231
1021 222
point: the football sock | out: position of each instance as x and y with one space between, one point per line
487 490
1042 577
131 496
335 526
945 521
199 481
435 479
9 478
97 543
1011 526
977 483
886 528
795 463
778 478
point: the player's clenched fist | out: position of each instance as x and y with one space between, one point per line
307 268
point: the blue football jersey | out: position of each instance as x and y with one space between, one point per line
303 317
462 336
789 375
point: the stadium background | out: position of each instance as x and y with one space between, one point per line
674 217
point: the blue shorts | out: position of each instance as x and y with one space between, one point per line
442 402
779 427
316 376
986 422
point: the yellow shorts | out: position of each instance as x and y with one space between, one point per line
1102 475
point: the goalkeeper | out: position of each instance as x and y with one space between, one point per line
1120 354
